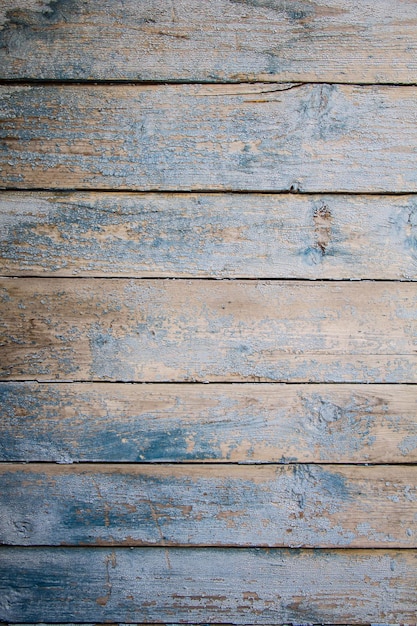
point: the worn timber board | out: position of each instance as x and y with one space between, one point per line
184 330
190 503
236 423
242 586
263 137
205 235
323 40
209 505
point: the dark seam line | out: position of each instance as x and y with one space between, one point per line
231 279
163 546
197 546
209 278
87 381
191 192
195 462
161 623
193 623
204 83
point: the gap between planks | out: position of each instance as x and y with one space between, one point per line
83 381
210 547
210 462
211 278
205 83
186 192
194 546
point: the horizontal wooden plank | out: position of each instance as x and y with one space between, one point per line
70 422
179 330
231 235
325 40
255 586
314 506
317 138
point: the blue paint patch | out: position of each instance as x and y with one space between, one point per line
408 444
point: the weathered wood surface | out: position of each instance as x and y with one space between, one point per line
254 423
279 135
262 137
322 40
209 505
179 330
232 235
242 586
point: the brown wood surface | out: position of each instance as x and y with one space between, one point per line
255 586
231 235
179 330
263 137
213 505
303 40
234 423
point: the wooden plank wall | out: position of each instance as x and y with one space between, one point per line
208 321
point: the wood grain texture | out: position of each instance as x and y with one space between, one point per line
123 540
324 506
252 423
231 235
317 138
179 330
322 40
242 586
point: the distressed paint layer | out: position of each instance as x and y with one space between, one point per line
253 423
230 235
263 137
211 585
179 330
321 40
213 505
